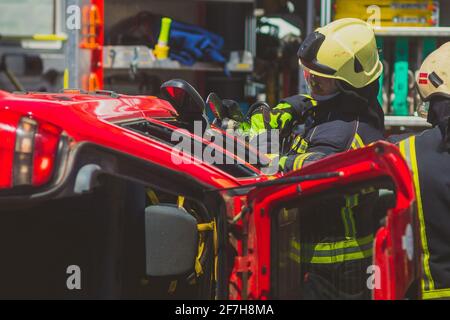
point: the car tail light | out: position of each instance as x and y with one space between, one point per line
23 155
28 151
46 146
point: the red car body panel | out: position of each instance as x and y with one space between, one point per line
93 118
397 271
88 118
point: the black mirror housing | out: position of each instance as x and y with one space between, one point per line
183 97
171 240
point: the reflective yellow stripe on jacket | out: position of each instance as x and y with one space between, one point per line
408 150
357 142
299 145
300 160
331 252
348 216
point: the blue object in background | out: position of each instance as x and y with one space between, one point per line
189 43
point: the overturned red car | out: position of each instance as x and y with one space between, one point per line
88 182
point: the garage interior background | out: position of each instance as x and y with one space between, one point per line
241 49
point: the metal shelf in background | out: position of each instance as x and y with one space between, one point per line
134 58
198 66
413 31
36 37
405 121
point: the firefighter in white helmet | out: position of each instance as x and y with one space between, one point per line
428 155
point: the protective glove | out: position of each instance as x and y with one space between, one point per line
283 117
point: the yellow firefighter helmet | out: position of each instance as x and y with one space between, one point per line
345 49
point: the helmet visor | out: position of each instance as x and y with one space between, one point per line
320 86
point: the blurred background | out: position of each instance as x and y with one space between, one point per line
241 49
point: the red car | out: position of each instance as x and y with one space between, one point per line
94 206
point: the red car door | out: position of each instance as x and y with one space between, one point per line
269 265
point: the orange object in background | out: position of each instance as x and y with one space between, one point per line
91 82
92 39
92 20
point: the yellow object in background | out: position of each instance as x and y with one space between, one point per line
66 79
392 13
161 50
49 37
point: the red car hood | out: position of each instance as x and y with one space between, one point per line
90 118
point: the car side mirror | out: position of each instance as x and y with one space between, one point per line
226 108
171 240
215 104
184 98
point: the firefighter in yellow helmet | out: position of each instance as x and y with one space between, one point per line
342 68
428 155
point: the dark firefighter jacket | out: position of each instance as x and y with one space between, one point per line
428 155
339 124
333 127
336 253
